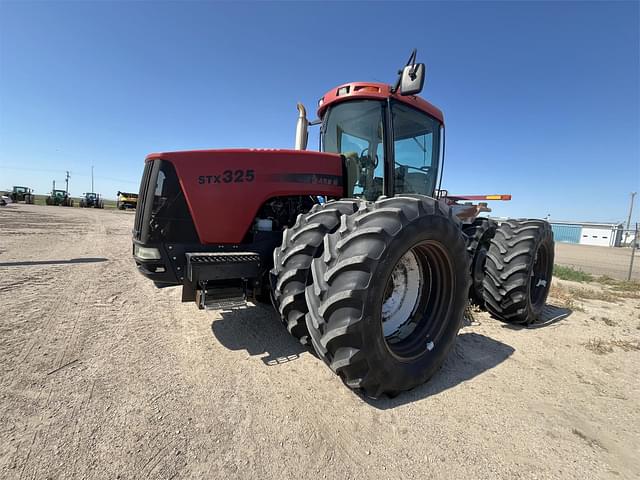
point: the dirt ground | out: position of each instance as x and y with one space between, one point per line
105 376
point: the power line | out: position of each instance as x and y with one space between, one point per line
111 179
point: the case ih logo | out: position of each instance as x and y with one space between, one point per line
311 178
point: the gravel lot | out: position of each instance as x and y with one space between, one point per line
104 376
613 262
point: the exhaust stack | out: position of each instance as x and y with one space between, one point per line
302 133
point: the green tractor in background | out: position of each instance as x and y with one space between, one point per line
91 200
59 197
21 194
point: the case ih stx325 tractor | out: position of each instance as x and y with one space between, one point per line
362 256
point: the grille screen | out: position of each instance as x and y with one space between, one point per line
142 196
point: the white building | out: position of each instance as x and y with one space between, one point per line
587 233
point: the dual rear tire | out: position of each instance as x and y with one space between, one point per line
518 270
479 235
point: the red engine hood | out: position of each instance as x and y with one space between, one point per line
224 189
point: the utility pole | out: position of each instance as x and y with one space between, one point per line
67 181
633 253
626 235
92 190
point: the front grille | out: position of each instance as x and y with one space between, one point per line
205 266
162 215
223 257
142 200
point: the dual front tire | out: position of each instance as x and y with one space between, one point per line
292 262
379 289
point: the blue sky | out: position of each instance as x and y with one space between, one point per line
541 100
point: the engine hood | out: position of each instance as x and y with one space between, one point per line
224 189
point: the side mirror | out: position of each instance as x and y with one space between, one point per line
412 79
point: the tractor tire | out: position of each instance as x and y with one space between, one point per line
47 201
479 235
518 270
388 295
292 261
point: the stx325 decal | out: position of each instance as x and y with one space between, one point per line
228 176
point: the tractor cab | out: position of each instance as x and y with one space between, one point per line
389 137
390 146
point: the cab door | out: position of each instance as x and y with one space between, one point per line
416 150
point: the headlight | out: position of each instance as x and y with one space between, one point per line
146 253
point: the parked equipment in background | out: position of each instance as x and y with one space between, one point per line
21 194
362 254
127 200
91 200
59 197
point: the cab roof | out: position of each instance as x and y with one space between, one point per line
374 91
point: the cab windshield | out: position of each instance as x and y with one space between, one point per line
355 130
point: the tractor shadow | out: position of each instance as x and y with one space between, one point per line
551 315
257 330
473 355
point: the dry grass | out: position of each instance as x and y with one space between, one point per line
603 347
599 346
563 298
569 294
621 288
593 294
620 285
605 320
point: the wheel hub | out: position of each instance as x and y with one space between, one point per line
402 295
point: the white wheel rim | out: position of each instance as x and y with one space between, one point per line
402 300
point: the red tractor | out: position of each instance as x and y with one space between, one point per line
362 254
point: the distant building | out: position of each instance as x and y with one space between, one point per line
586 233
